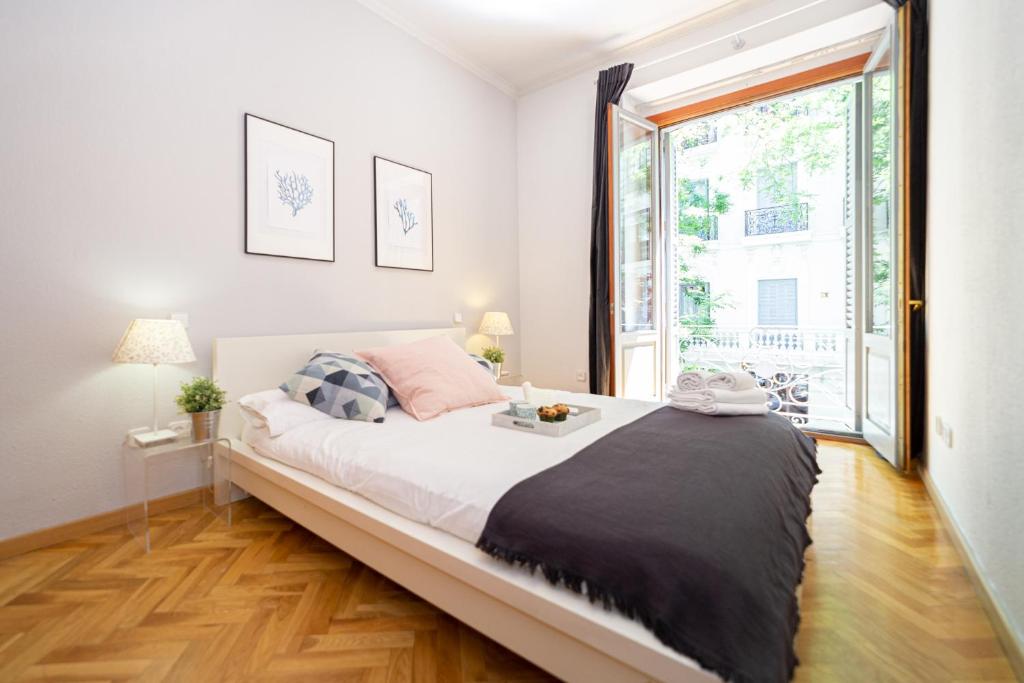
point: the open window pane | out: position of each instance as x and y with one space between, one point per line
637 360
635 229
881 197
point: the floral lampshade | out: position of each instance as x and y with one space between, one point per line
154 341
496 323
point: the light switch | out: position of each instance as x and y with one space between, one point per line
457 318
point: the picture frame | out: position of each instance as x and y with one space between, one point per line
289 191
403 216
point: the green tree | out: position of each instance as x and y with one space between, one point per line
698 211
798 132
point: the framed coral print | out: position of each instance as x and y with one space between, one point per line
289 192
403 216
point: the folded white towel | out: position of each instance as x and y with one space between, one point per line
747 397
692 380
721 409
733 381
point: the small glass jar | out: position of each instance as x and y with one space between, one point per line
523 410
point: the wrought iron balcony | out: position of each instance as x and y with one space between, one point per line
704 135
774 220
803 370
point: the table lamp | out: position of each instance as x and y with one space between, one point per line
155 342
496 324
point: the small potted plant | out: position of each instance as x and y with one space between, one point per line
202 399
496 357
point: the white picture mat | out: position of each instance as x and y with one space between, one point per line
398 247
270 227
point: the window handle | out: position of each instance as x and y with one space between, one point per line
915 304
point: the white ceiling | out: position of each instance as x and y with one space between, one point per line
521 44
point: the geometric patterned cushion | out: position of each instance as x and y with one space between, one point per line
340 385
483 362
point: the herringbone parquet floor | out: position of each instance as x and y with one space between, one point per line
885 599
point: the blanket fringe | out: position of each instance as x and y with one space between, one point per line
610 601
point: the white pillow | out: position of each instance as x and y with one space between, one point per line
273 410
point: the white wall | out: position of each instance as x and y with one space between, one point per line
556 147
121 196
975 316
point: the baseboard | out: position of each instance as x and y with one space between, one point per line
35 540
1013 647
841 438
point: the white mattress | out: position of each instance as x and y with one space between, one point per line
447 472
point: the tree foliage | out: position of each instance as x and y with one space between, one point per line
790 134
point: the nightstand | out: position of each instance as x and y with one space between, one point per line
511 380
213 459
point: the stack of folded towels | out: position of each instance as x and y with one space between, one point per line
724 393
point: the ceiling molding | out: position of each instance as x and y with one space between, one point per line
731 16
810 60
666 35
392 17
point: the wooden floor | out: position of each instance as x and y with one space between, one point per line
885 598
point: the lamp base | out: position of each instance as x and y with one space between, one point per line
153 438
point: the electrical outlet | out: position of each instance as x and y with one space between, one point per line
581 375
944 431
181 427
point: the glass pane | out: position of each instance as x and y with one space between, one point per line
881 197
756 254
636 230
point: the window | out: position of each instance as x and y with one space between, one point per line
776 302
695 217
777 186
778 209
694 301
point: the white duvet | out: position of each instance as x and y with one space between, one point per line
447 472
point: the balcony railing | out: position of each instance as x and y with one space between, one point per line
774 220
803 370
790 339
702 136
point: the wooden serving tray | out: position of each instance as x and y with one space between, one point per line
583 417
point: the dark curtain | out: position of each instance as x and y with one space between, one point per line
610 85
917 170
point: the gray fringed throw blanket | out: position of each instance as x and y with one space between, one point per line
694 525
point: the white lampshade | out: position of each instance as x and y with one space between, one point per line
496 323
154 341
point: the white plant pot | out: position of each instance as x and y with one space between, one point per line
497 371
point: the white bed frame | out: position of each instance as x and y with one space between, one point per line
554 628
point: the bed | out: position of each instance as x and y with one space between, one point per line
401 520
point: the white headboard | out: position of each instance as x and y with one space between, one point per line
244 365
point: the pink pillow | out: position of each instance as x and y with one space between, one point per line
432 376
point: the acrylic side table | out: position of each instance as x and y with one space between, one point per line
214 474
